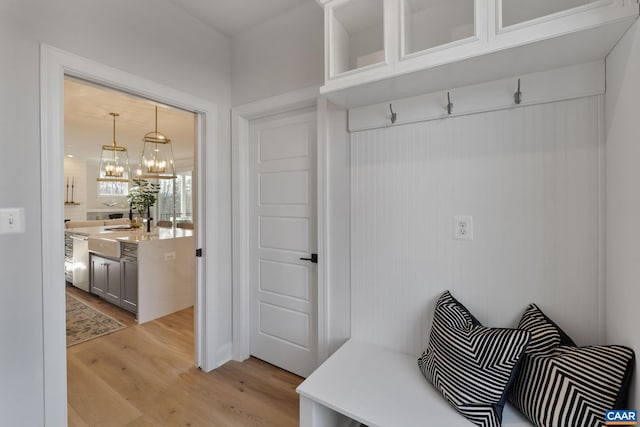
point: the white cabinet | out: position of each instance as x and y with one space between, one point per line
430 25
356 35
378 50
514 12
514 22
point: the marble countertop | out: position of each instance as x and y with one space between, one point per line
130 235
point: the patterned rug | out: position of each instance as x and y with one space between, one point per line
85 323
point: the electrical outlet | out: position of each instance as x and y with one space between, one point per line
463 227
12 221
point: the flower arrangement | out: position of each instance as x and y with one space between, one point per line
142 196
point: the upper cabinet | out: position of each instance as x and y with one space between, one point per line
357 36
377 50
430 25
524 21
516 12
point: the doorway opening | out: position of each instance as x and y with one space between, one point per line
96 205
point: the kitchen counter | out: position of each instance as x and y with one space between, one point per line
162 263
131 235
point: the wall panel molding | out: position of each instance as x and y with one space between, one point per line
530 177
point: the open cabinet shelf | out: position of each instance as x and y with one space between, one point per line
356 34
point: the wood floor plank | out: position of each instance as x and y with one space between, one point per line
74 418
144 375
94 401
261 382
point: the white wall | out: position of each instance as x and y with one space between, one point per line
338 243
279 56
623 194
181 53
531 178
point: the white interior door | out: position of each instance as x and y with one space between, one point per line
283 230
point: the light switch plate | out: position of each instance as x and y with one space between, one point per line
12 221
463 227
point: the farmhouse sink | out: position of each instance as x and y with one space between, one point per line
106 246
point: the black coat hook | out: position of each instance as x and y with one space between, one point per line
449 104
394 116
517 97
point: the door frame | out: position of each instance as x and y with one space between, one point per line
54 65
241 117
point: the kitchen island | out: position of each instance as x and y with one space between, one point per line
149 274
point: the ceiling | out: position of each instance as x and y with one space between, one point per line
88 125
235 16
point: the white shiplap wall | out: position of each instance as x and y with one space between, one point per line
532 179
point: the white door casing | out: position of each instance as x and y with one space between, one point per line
282 195
55 64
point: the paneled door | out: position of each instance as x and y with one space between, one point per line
283 232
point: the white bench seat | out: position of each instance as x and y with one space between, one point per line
365 383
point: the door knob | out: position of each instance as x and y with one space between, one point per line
313 259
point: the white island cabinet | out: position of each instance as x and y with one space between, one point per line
378 50
149 274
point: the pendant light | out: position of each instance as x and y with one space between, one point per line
156 159
114 161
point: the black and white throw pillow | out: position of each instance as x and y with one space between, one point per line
561 385
471 365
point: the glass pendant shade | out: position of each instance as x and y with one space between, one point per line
156 159
114 161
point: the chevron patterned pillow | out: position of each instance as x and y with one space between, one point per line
564 385
471 365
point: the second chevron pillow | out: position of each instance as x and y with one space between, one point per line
561 385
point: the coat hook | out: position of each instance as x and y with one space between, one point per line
449 104
518 95
394 116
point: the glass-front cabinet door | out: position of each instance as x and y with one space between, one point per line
518 22
428 25
514 12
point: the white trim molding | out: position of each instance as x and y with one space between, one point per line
54 65
571 82
240 119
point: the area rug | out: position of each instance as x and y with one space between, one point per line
85 323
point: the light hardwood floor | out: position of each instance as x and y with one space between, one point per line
144 375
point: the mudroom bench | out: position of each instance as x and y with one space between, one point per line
365 383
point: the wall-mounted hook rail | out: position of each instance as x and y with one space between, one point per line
517 97
394 116
449 104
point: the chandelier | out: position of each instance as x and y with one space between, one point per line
114 161
156 159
